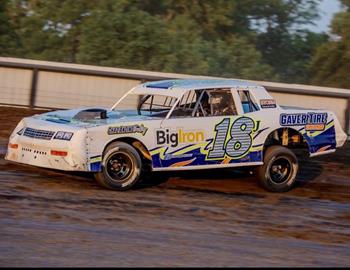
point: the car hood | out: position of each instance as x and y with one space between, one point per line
68 117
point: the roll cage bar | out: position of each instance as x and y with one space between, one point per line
190 102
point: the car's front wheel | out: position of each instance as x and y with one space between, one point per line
278 173
121 167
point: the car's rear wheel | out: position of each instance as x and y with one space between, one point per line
121 167
278 173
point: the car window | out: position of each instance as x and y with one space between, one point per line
155 105
248 103
186 105
202 103
221 103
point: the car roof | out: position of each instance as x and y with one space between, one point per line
176 88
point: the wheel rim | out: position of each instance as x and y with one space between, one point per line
119 166
280 170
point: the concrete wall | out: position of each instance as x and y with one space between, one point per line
15 85
62 90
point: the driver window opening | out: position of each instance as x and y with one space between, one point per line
221 103
202 103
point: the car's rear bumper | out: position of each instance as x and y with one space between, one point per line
340 136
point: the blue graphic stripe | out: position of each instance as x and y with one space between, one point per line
200 159
326 138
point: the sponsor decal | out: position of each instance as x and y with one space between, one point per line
315 127
311 121
127 129
63 135
165 136
267 103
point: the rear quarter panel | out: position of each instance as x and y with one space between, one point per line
316 126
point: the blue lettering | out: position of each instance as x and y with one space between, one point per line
283 119
299 119
304 119
319 119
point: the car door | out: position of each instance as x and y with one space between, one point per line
210 131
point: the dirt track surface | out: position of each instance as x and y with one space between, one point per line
206 218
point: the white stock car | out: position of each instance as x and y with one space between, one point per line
178 125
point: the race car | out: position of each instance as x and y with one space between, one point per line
171 125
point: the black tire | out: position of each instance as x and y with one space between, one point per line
121 167
278 173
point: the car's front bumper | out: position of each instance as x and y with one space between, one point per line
49 153
42 156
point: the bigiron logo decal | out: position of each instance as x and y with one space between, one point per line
311 121
165 136
127 129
